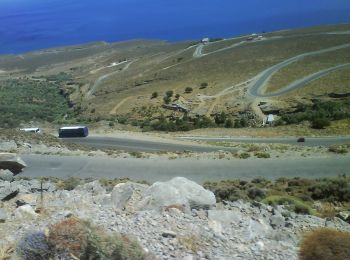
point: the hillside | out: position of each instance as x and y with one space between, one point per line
127 82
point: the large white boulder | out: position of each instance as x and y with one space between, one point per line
178 192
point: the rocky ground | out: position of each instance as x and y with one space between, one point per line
177 219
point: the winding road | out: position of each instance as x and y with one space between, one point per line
257 88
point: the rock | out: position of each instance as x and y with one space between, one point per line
277 221
94 187
197 196
6 175
8 190
225 217
10 161
25 211
125 195
344 215
162 195
3 215
179 192
169 233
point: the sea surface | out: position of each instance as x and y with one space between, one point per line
27 25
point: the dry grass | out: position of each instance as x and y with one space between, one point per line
6 252
325 244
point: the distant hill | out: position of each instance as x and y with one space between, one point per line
146 82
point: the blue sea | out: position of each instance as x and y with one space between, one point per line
27 25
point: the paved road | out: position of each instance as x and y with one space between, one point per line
310 141
153 170
140 145
257 88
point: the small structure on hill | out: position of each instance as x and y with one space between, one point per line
205 40
176 107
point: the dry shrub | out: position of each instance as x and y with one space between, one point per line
77 239
325 244
68 237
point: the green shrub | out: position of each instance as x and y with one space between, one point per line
166 99
262 155
325 244
244 155
256 194
188 90
339 149
203 85
169 93
292 203
337 189
320 122
154 95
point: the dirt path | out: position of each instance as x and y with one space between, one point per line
114 110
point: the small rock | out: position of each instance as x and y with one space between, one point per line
3 215
6 175
169 233
8 190
25 211
277 221
344 215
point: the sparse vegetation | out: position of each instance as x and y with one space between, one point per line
26 100
325 244
297 194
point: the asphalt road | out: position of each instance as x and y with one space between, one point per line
153 170
257 88
133 145
309 141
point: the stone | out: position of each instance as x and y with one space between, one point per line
344 215
162 195
225 217
3 215
25 211
277 221
94 187
169 233
178 192
8 190
197 196
10 161
6 175
125 195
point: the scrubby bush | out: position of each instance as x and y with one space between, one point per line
325 244
169 93
339 149
68 184
292 203
244 155
166 99
337 189
262 155
256 194
154 95
74 238
188 90
203 85
320 122
33 245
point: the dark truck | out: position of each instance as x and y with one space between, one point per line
73 131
